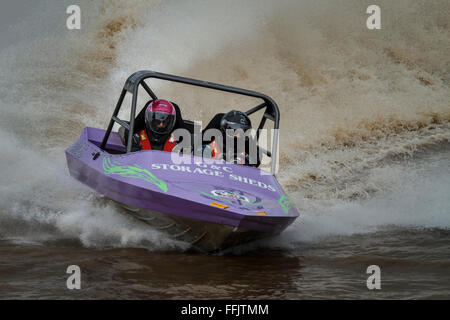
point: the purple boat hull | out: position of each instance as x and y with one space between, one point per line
183 187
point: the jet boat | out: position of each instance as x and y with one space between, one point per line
211 205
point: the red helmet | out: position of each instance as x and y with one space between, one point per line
160 117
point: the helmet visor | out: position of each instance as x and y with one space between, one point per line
160 122
235 130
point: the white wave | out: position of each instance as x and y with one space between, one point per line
416 198
40 202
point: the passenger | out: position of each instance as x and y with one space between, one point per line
232 125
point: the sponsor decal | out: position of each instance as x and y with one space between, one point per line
135 172
234 198
230 194
218 171
219 205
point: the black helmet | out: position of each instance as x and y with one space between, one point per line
235 120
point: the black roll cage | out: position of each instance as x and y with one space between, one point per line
271 111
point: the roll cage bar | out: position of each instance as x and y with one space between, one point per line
271 111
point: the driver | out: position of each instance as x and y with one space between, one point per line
160 118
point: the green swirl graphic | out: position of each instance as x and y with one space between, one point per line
285 203
132 172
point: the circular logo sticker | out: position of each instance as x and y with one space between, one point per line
230 194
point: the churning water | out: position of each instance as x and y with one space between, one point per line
365 152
